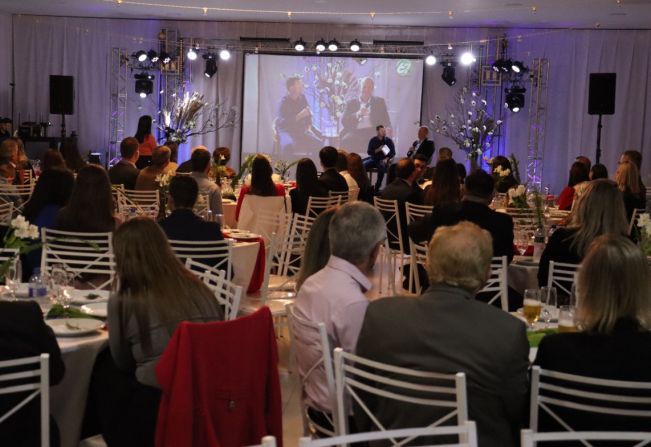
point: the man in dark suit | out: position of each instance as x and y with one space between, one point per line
331 179
422 146
294 122
445 330
124 172
23 333
183 224
378 156
361 116
473 208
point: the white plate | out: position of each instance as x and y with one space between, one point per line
73 327
81 296
96 309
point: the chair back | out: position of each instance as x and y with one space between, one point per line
415 212
228 294
311 338
531 439
344 196
202 207
6 212
89 256
466 433
497 285
267 441
218 254
355 374
417 257
635 218
316 205
18 195
390 212
133 203
562 276
252 205
34 380
554 390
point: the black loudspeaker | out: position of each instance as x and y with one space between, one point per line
601 99
62 95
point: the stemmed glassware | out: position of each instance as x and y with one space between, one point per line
548 296
12 279
532 306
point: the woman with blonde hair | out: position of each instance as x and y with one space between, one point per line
614 311
317 247
154 293
627 177
600 210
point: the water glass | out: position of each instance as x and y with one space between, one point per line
567 319
532 306
549 298
12 279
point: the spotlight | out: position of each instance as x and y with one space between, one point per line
144 84
141 56
211 65
192 54
224 55
500 65
514 98
467 58
518 67
320 46
299 45
355 46
153 56
165 57
430 60
333 45
506 65
449 74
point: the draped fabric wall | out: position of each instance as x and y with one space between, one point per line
5 65
81 47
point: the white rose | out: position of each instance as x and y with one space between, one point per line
19 223
469 113
473 103
467 143
33 232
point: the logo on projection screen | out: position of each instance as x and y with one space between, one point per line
403 67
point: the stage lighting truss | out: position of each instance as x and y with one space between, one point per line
144 84
355 46
333 45
211 65
299 45
449 73
193 53
514 98
320 46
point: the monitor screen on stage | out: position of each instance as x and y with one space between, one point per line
294 105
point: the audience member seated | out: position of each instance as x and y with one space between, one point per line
579 174
600 210
627 178
182 224
90 208
23 333
445 189
507 182
635 157
51 193
22 164
70 153
330 178
584 160
173 165
445 330
160 158
445 153
342 168
52 159
186 166
317 247
9 159
335 294
462 173
307 185
220 157
262 183
124 172
156 292
598 171
358 173
200 168
614 341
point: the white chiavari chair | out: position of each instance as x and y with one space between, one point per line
415 212
308 336
554 392
344 196
353 374
133 203
417 252
648 198
267 441
466 433
562 276
497 285
393 252
202 208
17 194
218 254
635 219
88 256
228 294
6 212
315 205
116 189
28 177
531 439
14 379
253 205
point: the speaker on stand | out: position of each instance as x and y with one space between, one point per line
62 99
601 100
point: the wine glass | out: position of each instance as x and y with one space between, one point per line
548 296
567 319
531 306
12 279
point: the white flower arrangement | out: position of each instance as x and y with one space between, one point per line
502 172
21 236
23 229
163 180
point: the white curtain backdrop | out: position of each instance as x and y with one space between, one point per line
5 65
81 47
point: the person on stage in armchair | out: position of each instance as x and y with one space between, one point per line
146 140
380 150
422 146
124 172
361 115
294 122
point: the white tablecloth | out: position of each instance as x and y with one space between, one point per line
245 255
522 276
229 214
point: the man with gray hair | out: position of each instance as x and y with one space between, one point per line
335 294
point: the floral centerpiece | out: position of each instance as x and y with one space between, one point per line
644 233
469 125
518 197
190 115
282 168
20 236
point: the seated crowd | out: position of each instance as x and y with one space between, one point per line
446 329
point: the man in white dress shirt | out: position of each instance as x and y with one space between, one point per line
335 294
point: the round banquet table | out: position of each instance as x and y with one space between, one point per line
228 207
248 265
523 274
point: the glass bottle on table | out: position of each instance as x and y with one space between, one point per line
538 243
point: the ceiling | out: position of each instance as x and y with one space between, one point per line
625 14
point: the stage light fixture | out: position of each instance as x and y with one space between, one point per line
165 57
430 59
518 67
449 74
355 46
333 45
467 58
144 84
320 46
192 54
153 56
514 98
211 65
224 54
299 45
141 56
